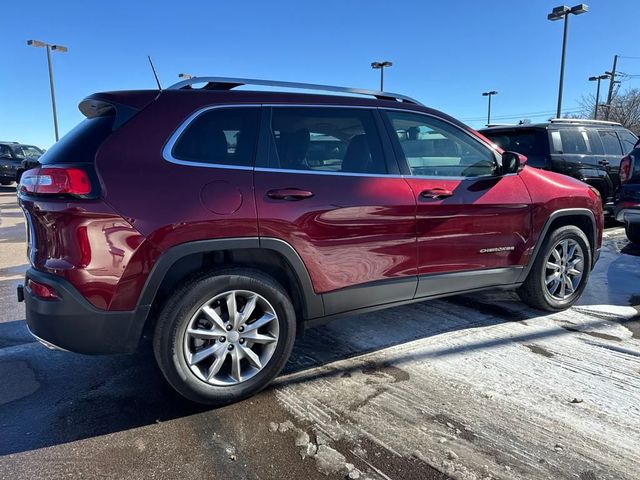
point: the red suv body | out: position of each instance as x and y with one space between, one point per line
329 205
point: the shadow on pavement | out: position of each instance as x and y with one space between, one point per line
70 397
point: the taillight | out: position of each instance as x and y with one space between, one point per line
626 164
55 181
41 290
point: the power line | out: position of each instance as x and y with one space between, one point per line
522 115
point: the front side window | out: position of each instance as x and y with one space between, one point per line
225 136
432 147
326 139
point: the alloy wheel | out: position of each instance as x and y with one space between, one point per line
231 337
564 269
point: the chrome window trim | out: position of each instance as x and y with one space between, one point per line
168 147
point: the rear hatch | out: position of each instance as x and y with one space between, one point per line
61 197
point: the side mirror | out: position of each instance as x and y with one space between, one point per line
512 162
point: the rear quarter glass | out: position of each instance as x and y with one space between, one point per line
80 144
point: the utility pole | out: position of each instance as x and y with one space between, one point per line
612 82
597 79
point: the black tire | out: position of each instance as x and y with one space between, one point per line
633 232
534 292
178 311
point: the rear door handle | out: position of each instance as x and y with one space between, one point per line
436 193
603 162
290 194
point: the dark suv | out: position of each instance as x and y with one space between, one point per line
589 150
627 208
224 221
12 157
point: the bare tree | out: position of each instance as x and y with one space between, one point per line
624 108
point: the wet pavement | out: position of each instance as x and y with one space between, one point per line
476 386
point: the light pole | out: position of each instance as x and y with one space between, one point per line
55 48
559 13
489 94
597 79
381 66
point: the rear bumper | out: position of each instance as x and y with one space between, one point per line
72 323
628 215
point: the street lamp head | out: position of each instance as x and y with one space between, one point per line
185 76
580 9
59 48
492 92
377 65
36 43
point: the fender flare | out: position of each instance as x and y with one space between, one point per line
312 303
585 212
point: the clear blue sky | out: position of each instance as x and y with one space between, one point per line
444 53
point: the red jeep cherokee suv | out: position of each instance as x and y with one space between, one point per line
222 221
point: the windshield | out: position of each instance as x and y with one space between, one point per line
31 151
529 142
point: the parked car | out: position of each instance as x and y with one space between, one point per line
12 157
589 150
195 216
32 154
627 209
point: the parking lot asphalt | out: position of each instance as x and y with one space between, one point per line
475 386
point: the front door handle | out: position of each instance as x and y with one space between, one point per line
603 162
436 193
290 194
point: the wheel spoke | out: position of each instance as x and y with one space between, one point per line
564 245
256 337
205 334
251 356
217 364
260 322
569 285
236 368
232 307
553 266
572 250
203 354
247 310
573 272
556 256
213 316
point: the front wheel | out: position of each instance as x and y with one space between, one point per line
560 271
633 232
224 336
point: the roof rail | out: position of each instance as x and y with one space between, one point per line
226 83
582 120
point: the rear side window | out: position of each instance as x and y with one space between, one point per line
326 140
570 141
526 142
225 136
628 140
610 142
81 144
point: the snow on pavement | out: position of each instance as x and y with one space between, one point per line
480 386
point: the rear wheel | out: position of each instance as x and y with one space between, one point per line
560 271
633 232
223 337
